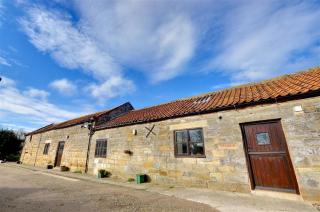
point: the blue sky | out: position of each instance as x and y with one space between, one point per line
62 58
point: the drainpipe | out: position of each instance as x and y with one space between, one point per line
35 159
91 132
24 148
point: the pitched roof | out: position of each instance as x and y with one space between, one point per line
279 88
42 129
72 122
79 120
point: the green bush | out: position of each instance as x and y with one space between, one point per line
10 145
13 157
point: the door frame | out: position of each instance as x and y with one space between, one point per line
55 160
250 171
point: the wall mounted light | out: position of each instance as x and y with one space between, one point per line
134 132
85 125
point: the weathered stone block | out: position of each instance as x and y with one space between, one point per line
216 177
225 169
228 146
148 164
174 173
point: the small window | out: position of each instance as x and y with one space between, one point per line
46 148
189 143
263 138
101 148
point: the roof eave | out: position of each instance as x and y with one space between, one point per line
280 99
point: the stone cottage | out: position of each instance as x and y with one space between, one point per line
258 136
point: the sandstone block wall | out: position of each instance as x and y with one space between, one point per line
223 168
74 153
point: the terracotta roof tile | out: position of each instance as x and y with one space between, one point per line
42 129
72 122
254 93
68 123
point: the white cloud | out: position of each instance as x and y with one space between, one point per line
10 61
176 44
156 37
111 88
64 86
268 38
4 61
29 105
36 93
53 32
6 82
246 40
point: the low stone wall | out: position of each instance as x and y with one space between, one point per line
223 168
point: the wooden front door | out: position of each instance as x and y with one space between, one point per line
59 153
268 158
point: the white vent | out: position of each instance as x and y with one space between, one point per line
297 108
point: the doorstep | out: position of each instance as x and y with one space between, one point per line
277 194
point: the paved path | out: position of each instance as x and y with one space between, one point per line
27 190
38 189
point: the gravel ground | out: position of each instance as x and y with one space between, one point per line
26 190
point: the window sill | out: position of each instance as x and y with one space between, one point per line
190 156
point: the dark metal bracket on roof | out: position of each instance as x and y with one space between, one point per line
150 131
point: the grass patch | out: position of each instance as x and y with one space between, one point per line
131 179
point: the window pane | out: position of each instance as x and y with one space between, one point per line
263 138
196 142
196 149
101 148
182 142
97 149
181 136
96 152
195 135
182 148
46 149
